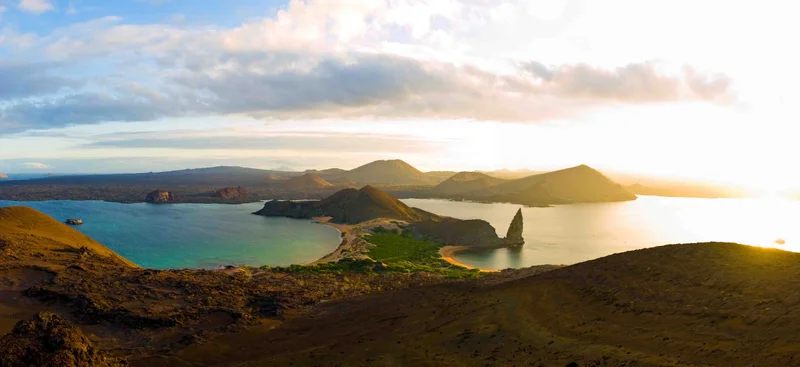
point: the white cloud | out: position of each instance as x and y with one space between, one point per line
347 60
36 165
35 6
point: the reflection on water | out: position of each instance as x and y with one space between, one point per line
568 234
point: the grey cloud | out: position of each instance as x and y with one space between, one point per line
20 80
632 83
84 108
333 142
275 85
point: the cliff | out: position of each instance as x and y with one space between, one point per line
159 196
458 232
229 193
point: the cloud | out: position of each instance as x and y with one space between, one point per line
36 165
35 6
319 142
635 83
31 79
321 60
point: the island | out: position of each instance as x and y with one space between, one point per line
3 176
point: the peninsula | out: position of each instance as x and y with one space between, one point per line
359 214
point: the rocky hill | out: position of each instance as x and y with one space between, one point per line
303 182
28 235
581 184
465 182
389 172
346 206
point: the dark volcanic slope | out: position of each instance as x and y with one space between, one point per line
580 184
464 182
346 206
682 305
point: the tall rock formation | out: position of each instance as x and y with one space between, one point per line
514 234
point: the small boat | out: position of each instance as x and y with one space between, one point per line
74 221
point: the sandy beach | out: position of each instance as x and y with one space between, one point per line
447 254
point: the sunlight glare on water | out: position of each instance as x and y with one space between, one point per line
568 234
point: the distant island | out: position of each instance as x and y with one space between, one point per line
231 185
368 210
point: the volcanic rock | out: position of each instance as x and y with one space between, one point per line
159 196
231 193
49 340
514 234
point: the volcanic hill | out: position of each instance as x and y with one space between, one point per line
581 184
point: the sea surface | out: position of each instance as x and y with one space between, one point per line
214 235
568 234
203 236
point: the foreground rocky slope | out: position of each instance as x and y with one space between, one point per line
682 305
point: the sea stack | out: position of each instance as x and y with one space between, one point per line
159 196
514 234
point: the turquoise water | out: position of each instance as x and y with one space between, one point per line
568 234
195 235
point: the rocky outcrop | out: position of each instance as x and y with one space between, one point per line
514 234
49 340
230 193
458 232
74 221
160 196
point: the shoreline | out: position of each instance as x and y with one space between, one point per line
447 255
346 239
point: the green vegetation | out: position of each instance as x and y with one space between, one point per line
341 267
402 253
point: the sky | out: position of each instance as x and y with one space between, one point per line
679 89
